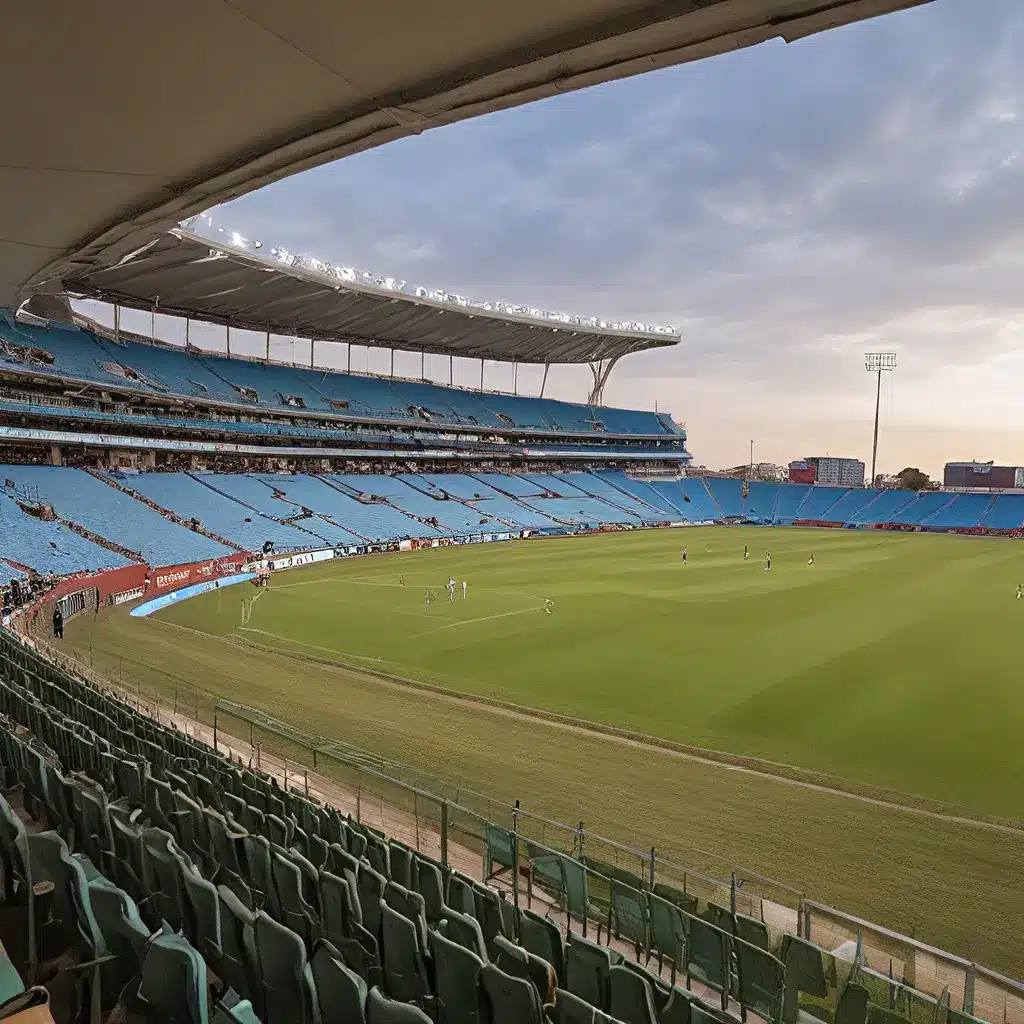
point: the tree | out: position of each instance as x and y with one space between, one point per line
912 479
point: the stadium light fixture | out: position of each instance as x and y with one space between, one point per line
879 363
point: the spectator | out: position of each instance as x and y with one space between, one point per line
58 622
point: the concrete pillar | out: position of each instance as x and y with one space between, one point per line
56 455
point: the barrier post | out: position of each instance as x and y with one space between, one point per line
215 733
444 833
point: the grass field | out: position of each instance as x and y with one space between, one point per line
890 662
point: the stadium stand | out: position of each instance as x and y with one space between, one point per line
103 510
149 516
48 547
789 503
69 353
819 502
727 496
1006 513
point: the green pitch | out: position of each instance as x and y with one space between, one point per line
892 660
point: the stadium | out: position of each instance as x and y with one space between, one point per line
330 696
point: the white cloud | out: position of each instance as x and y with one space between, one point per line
787 207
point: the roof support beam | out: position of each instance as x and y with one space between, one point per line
602 370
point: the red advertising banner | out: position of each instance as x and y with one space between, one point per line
173 577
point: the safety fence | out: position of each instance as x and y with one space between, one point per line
902 973
469 830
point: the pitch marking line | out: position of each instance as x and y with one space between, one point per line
482 618
302 643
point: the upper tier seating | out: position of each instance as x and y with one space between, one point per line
103 510
79 355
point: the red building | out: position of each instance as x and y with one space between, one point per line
802 473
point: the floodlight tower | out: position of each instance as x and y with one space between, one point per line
878 362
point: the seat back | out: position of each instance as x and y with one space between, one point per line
285 980
381 1010
586 970
511 1000
340 991
456 981
630 999
174 980
542 937
405 976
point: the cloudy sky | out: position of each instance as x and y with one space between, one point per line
786 208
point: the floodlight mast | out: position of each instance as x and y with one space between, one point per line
878 362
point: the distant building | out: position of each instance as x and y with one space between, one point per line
837 472
802 472
982 476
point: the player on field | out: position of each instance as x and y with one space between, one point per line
428 599
1020 591
548 605
682 556
767 561
746 553
401 580
810 561
451 589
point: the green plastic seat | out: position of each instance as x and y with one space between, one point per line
341 992
542 937
202 918
456 981
237 961
668 932
762 981
805 972
405 974
287 993
459 894
125 935
519 963
586 970
174 985
341 907
852 1007
630 915
630 998
400 858
487 906
499 850
464 930
708 955
569 1009
371 885
381 1010
510 1000
429 883
295 912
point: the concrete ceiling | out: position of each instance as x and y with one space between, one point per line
122 118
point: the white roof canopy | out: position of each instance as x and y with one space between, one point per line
122 119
